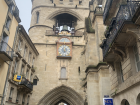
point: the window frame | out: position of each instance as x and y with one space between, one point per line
29 57
37 17
63 76
11 92
136 62
8 23
25 51
22 70
15 66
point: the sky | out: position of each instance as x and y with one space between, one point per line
24 7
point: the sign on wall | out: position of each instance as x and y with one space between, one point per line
17 78
107 101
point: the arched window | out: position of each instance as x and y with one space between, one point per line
125 102
37 17
63 73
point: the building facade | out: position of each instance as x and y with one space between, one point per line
121 48
8 30
23 64
67 35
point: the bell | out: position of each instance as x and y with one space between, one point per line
65 28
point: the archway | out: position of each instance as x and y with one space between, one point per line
68 11
125 102
62 94
138 100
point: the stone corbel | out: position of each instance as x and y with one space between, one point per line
121 50
120 57
135 32
111 64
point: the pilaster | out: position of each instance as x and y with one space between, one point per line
98 83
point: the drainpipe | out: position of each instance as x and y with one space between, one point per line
6 81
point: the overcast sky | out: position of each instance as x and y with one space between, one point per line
24 7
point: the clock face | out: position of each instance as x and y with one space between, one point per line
64 50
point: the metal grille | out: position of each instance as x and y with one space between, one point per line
26 83
106 9
125 12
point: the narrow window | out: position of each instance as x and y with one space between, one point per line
80 2
35 82
25 50
11 9
21 72
17 98
19 44
5 39
122 79
29 57
11 93
28 100
33 62
8 23
27 74
37 17
137 59
79 70
63 72
31 77
23 100
15 66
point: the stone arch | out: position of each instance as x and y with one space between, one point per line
62 93
138 99
134 32
125 102
68 11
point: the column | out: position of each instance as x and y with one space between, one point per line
93 88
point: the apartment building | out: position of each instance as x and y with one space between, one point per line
9 20
24 65
121 49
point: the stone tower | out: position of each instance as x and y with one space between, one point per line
65 52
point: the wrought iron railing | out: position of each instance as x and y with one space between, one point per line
4 47
26 83
106 9
125 13
73 33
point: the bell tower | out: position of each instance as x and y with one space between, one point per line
57 30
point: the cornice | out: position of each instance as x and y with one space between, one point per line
39 26
57 7
95 68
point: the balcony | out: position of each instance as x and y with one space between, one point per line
25 86
6 52
124 16
106 10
